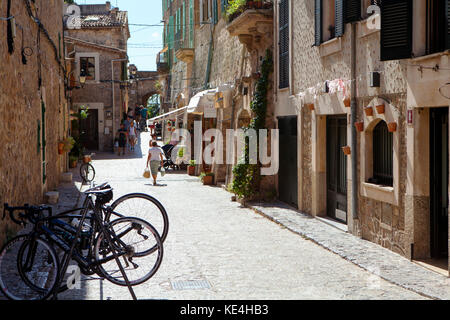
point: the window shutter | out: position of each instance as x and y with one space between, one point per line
215 12
191 23
352 10
284 43
339 17
223 5
396 29
318 22
447 15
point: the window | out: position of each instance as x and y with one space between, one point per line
284 44
328 22
382 155
87 66
396 29
330 17
205 10
437 25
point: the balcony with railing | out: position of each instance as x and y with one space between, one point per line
162 63
183 49
251 21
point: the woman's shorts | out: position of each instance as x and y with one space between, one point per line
154 166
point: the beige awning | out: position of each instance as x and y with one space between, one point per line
203 103
165 115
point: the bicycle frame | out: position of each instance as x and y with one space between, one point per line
69 251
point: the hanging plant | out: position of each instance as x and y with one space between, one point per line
246 175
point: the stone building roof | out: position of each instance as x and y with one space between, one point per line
111 19
99 16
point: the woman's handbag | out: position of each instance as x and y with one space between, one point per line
163 171
147 173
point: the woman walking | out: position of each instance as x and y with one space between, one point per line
154 160
132 135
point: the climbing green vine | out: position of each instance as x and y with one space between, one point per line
246 175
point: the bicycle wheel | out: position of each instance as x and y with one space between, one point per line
146 207
29 269
87 172
140 249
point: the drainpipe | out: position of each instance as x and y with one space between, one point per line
113 96
210 55
353 107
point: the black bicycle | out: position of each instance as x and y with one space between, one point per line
30 266
87 171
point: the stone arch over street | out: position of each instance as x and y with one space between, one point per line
143 87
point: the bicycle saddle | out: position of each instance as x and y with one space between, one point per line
103 188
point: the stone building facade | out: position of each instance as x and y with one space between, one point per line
350 83
34 110
217 58
96 44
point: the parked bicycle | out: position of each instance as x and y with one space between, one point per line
30 267
87 171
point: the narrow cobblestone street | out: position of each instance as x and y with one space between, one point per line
237 253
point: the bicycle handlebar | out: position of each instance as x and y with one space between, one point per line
30 212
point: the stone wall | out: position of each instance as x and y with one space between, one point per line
380 221
21 165
101 92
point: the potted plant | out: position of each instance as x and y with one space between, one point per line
191 168
368 111
68 144
207 178
380 108
60 147
73 160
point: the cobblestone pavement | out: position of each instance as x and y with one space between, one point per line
218 249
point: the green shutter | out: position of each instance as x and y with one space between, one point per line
171 32
215 12
318 22
191 23
44 143
183 20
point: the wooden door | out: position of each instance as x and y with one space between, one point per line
439 182
336 168
287 174
89 130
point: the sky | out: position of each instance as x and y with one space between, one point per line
140 12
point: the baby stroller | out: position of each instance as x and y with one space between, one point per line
168 163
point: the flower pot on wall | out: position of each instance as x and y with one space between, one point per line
60 147
392 126
347 102
346 150
380 108
310 106
359 126
368 111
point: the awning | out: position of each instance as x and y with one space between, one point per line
203 102
174 112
